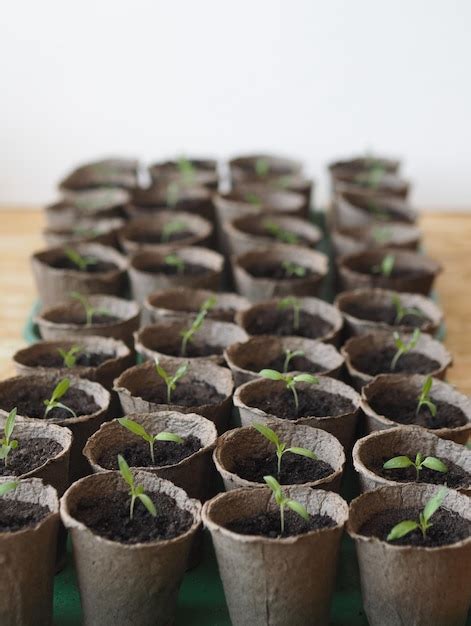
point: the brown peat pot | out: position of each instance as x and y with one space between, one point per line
112 172
375 235
93 205
146 202
86 230
203 172
258 200
354 209
262 167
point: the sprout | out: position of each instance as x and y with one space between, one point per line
424 398
276 231
173 260
431 462
386 266
281 448
262 167
59 391
381 234
8 486
295 304
293 269
186 170
81 262
290 381
289 355
404 348
407 526
284 503
188 334
402 311
171 228
140 431
90 310
70 356
172 194
372 177
136 491
7 443
169 380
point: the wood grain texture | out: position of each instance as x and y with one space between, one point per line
446 238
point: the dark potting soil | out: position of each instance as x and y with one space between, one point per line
79 319
281 323
295 469
268 524
64 263
84 359
312 403
379 362
297 364
15 515
385 313
276 271
173 348
447 527
196 393
30 454
137 453
107 515
154 236
401 408
29 401
397 272
455 476
190 269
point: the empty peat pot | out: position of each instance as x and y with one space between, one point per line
164 338
371 452
206 389
329 405
295 354
243 456
146 202
85 230
129 572
302 317
57 275
113 172
375 235
183 302
354 209
367 356
91 204
411 580
254 568
258 200
186 267
407 271
100 359
371 310
392 399
279 270
188 465
89 401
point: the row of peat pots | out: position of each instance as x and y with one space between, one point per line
244 411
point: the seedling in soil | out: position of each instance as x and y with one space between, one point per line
186 170
423 523
284 503
262 167
372 177
169 379
136 491
81 262
281 448
424 398
172 194
289 355
171 228
140 431
7 444
7 487
295 304
431 462
175 261
386 266
293 269
402 311
59 391
290 381
279 233
90 310
70 356
404 348
188 334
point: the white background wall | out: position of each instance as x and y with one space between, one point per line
308 78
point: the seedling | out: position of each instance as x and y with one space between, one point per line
172 194
136 491
381 234
281 448
424 398
386 266
402 311
7 443
169 379
262 167
186 170
69 357
188 334
173 260
8 486
289 356
171 228
59 391
290 381
80 262
284 503
140 431
423 523
293 269
90 310
295 304
402 347
279 233
431 462
372 177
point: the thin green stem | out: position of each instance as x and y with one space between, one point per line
151 444
296 400
279 455
282 519
131 507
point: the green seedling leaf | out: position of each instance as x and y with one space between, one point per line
289 356
295 304
402 529
70 356
169 380
401 462
125 471
281 448
164 436
140 431
188 334
424 398
279 233
90 310
262 167
175 261
283 502
298 508
434 503
171 228
290 381
136 491
271 374
59 391
435 464
398 462
302 452
187 170
306 378
407 526
402 347
147 502
7 487
80 262
402 311
6 443
293 269
268 433
386 266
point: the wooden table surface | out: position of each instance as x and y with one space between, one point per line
447 238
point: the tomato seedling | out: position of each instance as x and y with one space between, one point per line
169 379
7 444
290 381
140 431
423 523
284 502
282 448
431 462
135 491
59 391
404 347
